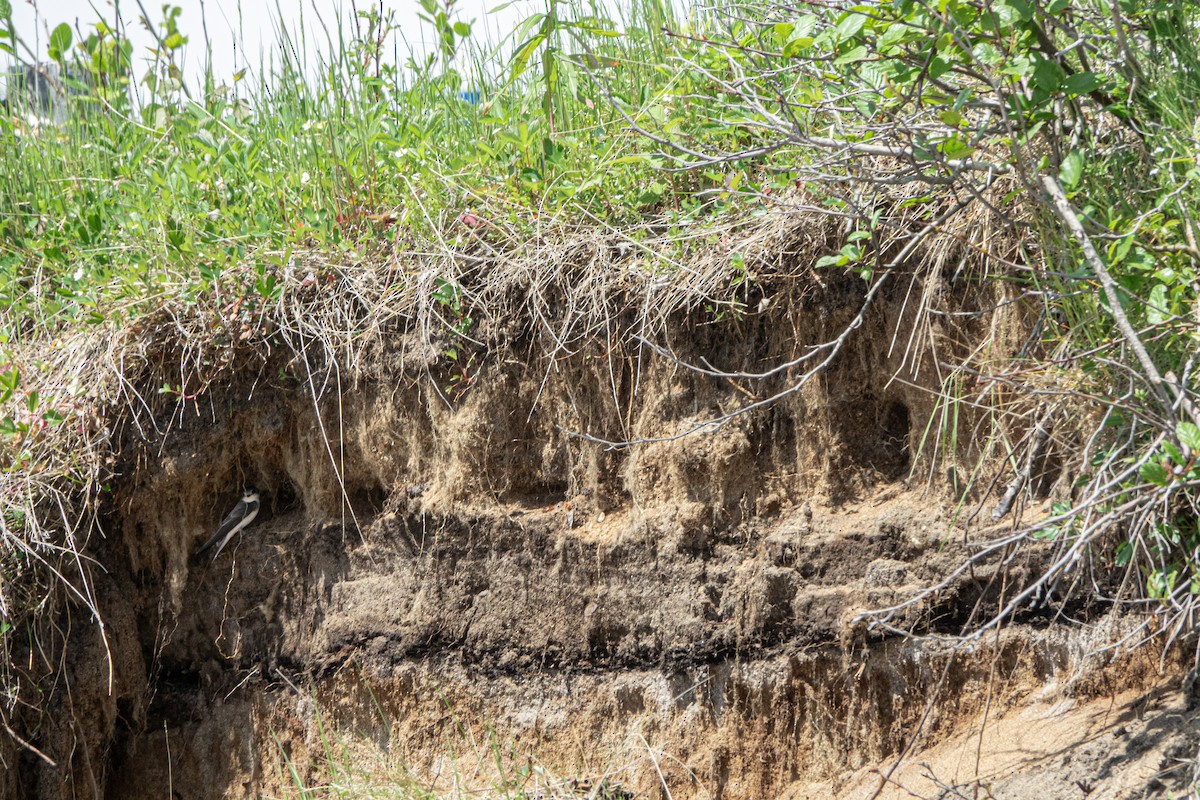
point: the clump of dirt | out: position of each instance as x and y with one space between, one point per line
635 563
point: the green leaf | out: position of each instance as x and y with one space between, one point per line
852 55
1189 436
1071 170
955 147
1161 582
1046 74
8 384
520 61
897 34
989 54
1124 553
1120 249
5 9
1158 305
939 66
796 45
462 28
805 25
1155 473
528 25
653 193
1047 534
1019 66
267 287
1081 83
1010 12
60 41
850 25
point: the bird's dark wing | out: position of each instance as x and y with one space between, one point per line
227 524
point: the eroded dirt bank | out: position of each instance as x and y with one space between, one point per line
456 572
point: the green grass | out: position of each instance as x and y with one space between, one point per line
126 202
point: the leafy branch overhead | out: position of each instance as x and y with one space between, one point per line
1069 123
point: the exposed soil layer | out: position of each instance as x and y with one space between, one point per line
446 575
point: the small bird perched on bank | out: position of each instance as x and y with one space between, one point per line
237 520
